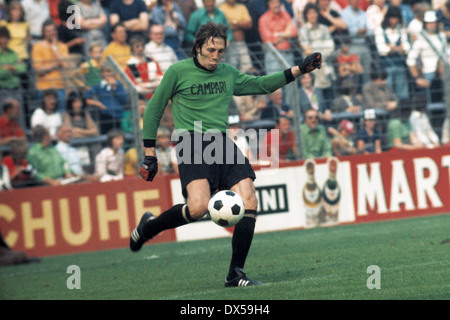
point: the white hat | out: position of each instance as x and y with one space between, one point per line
430 16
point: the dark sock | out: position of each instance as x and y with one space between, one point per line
170 219
241 241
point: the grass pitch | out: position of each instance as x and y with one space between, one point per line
317 264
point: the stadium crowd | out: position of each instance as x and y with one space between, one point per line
65 114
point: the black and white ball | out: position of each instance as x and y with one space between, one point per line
226 208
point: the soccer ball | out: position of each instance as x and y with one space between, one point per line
226 208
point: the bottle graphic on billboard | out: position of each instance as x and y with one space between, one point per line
331 194
312 195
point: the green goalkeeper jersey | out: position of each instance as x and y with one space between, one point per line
198 94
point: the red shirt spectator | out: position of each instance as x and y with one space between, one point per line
9 124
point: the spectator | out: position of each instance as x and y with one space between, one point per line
88 73
446 133
20 171
420 122
69 33
277 27
10 128
360 37
348 101
310 98
130 163
53 8
109 161
286 143
416 25
375 14
167 162
133 14
333 20
276 108
47 115
236 134
422 60
315 37
10 69
377 94
348 66
167 14
399 131
368 138
118 48
143 71
405 10
341 144
69 153
250 107
187 7
443 17
78 117
127 122
92 21
209 11
392 45
36 13
49 58
315 140
51 168
19 30
110 96
240 20
156 49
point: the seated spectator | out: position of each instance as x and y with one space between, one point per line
20 171
286 143
111 97
133 14
92 21
278 28
375 14
446 133
420 122
88 74
50 166
377 94
315 140
47 115
276 108
348 66
310 98
49 59
69 153
11 69
209 11
68 33
109 161
36 13
416 25
165 153
156 49
348 100
78 118
168 14
333 20
341 144
143 71
315 37
19 30
399 131
250 107
368 139
10 128
118 48
240 21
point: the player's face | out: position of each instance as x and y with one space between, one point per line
210 54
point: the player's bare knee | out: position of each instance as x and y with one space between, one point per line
198 209
250 201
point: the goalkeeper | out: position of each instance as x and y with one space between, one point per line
201 89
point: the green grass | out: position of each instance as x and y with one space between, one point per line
324 263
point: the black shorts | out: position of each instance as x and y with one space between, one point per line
211 156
